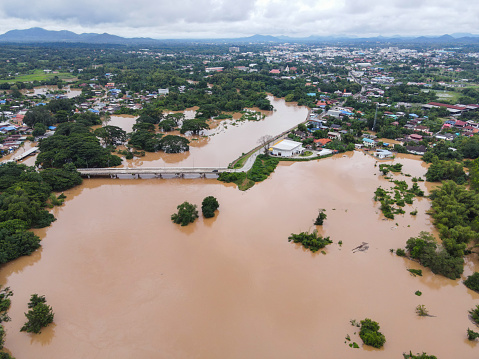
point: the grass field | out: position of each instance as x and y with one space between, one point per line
38 75
451 96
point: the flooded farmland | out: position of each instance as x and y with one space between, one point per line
124 281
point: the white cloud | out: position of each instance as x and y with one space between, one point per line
231 18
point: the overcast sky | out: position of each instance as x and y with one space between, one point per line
165 19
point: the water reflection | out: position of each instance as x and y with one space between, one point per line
45 337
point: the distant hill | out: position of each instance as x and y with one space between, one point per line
39 35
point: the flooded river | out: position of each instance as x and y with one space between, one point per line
125 282
43 90
225 141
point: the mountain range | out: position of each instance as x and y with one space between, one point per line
39 35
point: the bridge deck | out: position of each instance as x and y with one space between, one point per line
152 171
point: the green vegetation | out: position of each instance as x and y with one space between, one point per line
56 201
74 143
195 126
472 335
418 356
422 311
24 194
39 315
223 116
263 166
239 178
37 75
385 168
474 174
455 211
418 293
111 135
209 206
311 241
424 249
5 302
474 314
174 144
400 252
416 272
446 170
370 334
39 129
320 218
187 213
472 282
145 140
61 179
402 194
456 214
23 197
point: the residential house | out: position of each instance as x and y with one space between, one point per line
334 136
367 142
416 150
321 142
414 137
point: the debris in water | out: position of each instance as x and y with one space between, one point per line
362 247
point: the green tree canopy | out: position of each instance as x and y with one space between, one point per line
187 213
195 126
39 316
174 144
209 206
111 135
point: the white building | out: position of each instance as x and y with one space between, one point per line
383 153
287 148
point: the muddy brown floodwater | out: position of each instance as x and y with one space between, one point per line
125 282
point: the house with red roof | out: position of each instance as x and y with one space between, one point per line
415 137
322 141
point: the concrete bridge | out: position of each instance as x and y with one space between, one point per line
27 153
159 172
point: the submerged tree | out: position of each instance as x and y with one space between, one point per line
320 218
195 126
370 333
39 316
209 206
174 144
187 213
